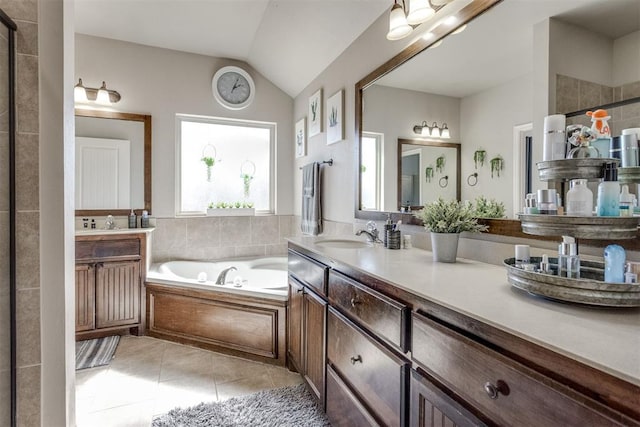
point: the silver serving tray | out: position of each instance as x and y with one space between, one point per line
589 289
583 227
564 169
629 175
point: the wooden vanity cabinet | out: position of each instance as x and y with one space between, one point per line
307 320
108 281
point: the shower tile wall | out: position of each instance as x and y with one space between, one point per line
25 14
211 238
574 94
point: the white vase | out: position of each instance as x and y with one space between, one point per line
444 246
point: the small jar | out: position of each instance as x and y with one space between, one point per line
547 202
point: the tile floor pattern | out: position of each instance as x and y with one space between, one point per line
149 377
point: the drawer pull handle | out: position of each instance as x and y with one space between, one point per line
356 359
354 302
493 391
301 290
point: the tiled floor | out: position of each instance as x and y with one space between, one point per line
149 377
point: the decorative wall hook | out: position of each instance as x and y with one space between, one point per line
472 179
444 181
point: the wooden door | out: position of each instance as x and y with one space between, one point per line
85 297
314 351
294 326
431 407
117 294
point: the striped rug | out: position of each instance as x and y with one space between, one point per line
97 352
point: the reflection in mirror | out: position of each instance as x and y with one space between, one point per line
427 171
493 88
113 162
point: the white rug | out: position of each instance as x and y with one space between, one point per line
282 407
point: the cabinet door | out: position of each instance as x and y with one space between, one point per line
85 297
117 294
315 326
294 326
430 407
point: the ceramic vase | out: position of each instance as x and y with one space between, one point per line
444 246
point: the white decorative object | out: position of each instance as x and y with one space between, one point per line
335 118
301 138
444 246
231 212
233 87
315 113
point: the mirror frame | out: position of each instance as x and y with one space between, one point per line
467 14
146 120
426 143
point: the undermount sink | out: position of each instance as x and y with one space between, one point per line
343 243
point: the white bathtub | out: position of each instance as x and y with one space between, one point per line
261 277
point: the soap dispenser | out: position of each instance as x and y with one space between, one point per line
609 192
626 201
579 199
568 259
133 222
144 220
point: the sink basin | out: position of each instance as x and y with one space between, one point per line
343 243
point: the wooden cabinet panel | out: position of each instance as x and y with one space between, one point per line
431 407
315 318
117 294
372 370
381 315
101 249
85 297
507 392
308 271
294 325
343 407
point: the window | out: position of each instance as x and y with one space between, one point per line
224 161
371 171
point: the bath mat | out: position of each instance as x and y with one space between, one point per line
281 407
97 352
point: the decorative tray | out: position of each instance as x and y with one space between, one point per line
629 175
563 169
583 227
589 289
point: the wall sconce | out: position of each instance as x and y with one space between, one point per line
433 131
102 95
403 20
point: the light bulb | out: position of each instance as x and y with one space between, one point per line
444 132
398 26
419 12
103 95
79 93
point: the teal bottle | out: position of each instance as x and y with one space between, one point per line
614 259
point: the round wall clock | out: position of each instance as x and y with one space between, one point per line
233 87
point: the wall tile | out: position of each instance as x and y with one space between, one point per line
5 332
235 231
27 177
27 103
250 251
631 111
265 229
170 235
617 94
26 10
4 162
28 327
5 395
29 396
27 38
606 94
567 94
631 90
206 253
203 232
589 94
276 250
28 250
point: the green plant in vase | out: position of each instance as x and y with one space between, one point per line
478 157
485 208
497 164
440 161
246 182
209 161
428 172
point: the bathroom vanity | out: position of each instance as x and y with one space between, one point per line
388 337
110 271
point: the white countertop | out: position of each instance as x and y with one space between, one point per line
100 231
607 339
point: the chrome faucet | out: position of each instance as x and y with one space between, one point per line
222 277
110 223
371 232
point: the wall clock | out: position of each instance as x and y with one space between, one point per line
233 87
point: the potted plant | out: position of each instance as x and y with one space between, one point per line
485 208
445 220
478 157
497 164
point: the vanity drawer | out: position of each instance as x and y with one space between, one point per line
343 407
376 312
374 372
117 248
504 390
308 271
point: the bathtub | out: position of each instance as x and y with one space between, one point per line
261 277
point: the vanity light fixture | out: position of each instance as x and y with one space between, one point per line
102 95
433 131
407 15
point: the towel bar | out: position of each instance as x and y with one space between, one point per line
329 162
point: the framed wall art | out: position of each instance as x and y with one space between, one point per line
315 113
335 118
301 138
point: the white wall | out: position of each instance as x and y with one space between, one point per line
626 59
394 112
162 83
487 120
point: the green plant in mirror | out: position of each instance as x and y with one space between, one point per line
497 164
449 216
478 157
209 161
440 161
485 208
246 180
428 172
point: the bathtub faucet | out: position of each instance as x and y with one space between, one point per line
222 277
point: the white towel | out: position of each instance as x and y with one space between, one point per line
311 206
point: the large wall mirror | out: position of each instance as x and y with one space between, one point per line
492 84
113 163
